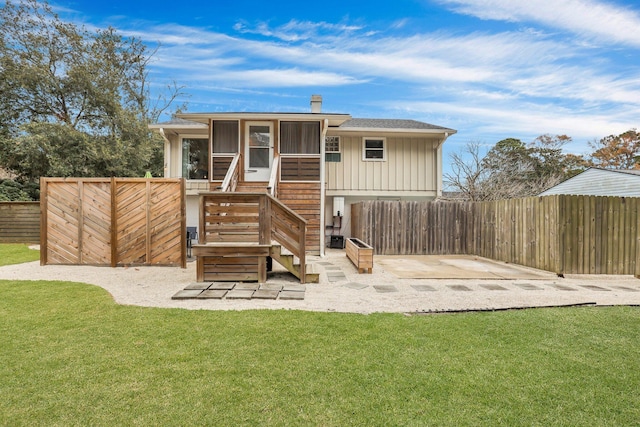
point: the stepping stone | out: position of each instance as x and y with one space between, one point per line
423 288
240 294
332 269
528 286
187 294
265 294
562 287
271 287
459 288
324 263
626 289
336 277
291 295
213 294
247 286
198 285
354 285
383 289
294 288
595 288
226 286
494 287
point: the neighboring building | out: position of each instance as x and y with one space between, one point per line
325 162
600 182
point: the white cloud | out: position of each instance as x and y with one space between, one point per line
589 18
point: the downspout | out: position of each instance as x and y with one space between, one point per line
167 153
322 186
439 183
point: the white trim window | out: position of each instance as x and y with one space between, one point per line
374 149
332 152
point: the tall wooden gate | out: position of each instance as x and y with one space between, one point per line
113 221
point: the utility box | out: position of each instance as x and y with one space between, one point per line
337 242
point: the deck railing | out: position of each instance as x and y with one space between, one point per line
232 177
275 177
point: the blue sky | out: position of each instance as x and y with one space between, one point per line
491 69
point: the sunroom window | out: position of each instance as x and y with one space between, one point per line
195 158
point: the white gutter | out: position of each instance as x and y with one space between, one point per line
439 165
167 153
322 186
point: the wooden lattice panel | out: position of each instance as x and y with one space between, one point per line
131 232
95 223
117 221
165 213
63 219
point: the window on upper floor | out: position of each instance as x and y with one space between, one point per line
300 138
332 149
195 158
373 149
225 136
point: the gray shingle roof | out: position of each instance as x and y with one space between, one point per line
390 124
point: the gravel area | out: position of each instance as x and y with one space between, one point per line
351 292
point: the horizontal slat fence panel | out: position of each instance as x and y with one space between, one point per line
113 221
19 222
563 234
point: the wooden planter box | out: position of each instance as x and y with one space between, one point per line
360 254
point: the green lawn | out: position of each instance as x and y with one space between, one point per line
71 356
17 254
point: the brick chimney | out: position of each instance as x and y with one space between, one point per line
316 104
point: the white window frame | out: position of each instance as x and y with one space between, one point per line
364 148
337 139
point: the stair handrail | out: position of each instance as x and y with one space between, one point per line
232 176
272 188
298 248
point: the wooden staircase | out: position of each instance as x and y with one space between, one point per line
288 261
241 225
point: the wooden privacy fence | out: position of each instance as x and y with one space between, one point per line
113 221
563 234
19 222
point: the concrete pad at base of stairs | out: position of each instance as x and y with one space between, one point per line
265 294
226 286
187 294
198 285
240 294
291 295
247 286
213 294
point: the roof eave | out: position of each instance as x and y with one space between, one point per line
335 119
446 132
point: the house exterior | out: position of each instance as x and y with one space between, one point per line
600 182
321 163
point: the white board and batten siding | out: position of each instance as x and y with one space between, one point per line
599 182
410 166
